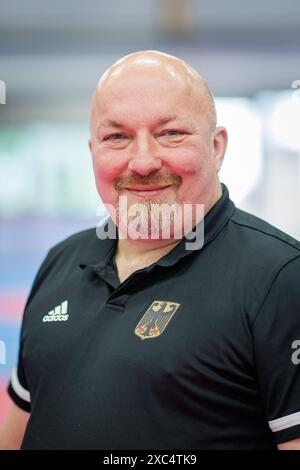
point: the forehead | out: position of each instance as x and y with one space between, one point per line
144 97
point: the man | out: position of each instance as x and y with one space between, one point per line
142 342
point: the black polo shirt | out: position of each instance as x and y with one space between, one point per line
196 351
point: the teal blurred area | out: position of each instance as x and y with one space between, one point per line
46 169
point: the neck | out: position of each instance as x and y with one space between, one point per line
132 255
129 249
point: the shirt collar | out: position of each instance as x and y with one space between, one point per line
99 253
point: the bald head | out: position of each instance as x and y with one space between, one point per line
168 67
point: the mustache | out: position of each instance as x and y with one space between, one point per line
121 183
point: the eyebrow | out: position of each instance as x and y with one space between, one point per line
110 123
119 124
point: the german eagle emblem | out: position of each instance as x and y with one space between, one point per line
155 319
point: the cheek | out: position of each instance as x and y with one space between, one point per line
194 165
187 166
188 160
107 167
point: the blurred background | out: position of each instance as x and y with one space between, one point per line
51 55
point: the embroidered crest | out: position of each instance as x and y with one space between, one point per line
155 319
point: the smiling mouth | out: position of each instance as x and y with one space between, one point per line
146 190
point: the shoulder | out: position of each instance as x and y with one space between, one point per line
76 243
69 253
256 236
262 259
64 258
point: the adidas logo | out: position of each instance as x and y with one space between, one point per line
59 313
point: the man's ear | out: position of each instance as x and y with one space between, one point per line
220 143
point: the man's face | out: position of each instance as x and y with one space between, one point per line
151 141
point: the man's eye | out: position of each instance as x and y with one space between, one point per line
115 136
173 133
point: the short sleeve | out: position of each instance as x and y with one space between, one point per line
276 342
18 388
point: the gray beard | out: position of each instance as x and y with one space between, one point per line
149 219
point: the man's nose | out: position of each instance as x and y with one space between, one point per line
144 158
